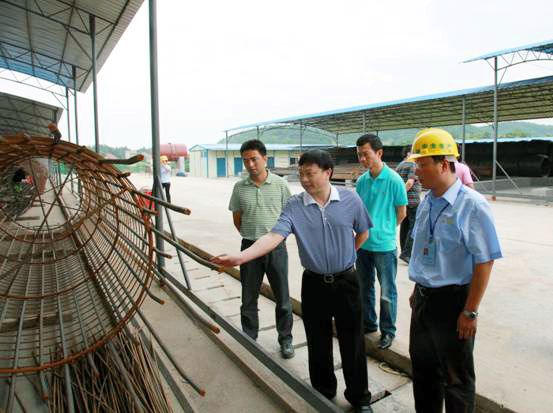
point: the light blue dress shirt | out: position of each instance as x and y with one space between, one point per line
326 243
464 234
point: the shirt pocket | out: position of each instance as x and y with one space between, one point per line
449 237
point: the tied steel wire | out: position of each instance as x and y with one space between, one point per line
72 254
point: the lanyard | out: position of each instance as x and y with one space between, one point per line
433 224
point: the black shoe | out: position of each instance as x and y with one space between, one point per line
287 350
385 341
363 409
404 259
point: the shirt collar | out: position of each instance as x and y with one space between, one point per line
451 194
334 196
383 173
269 180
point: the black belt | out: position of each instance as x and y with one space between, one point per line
329 278
446 289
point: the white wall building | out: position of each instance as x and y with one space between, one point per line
214 160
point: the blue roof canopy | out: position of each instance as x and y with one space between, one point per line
49 39
541 47
18 114
520 100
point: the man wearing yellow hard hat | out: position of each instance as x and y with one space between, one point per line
165 170
454 248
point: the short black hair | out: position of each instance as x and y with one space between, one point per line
405 150
372 140
253 145
317 157
441 158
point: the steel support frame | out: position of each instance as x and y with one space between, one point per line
33 82
495 126
69 126
63 67
508 60
463 127
154 107
301 137
520 57
94 82
226 155
75 105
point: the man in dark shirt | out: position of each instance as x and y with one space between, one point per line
406 170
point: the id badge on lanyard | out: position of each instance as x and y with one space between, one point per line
429 252
429 246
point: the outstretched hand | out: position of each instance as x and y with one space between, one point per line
225 260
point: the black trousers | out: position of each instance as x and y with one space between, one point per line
275 265
341 300
443 366
167 186
405 230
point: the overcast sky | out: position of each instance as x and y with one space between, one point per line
224 64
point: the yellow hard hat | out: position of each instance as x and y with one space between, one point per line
434 142
163 158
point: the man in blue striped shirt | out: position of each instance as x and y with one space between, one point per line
330 224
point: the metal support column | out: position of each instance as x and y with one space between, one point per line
257 129
92 20
79 188
226 153
69 127
68 114
495 125
75 105
463 126
301 137
337 144
154 106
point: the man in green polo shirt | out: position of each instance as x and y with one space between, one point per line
383 193
256 204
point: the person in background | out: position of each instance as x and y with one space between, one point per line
165 170
383 193
256 203
406 169
454 248
330 224
462 171
54 132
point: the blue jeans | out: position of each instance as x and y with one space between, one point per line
383 265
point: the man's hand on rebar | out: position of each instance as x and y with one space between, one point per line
225 260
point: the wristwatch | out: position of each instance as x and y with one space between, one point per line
470 314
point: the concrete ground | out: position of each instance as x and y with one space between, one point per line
222 293
514 347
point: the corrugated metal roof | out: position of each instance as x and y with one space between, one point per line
18 114
507 140
521 100
489 140
47 38
269 146
541 47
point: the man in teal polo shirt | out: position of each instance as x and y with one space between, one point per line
383 193
256 204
